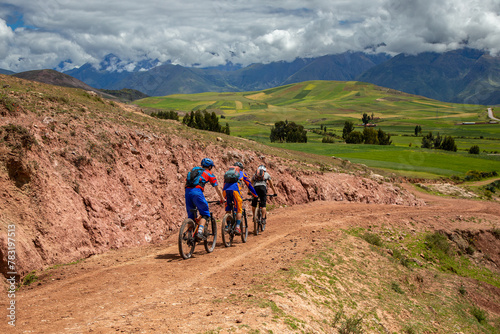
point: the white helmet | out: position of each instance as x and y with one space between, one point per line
262 167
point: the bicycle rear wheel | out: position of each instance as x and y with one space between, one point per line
244 228
256 221
211 235
262 222
187 243
227 227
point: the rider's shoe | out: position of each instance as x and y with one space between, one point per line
226 228
199 236
237 230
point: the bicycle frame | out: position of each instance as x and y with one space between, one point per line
258 219
229 221
188 231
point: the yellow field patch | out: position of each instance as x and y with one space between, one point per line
239 104
431 104
310 87
258 96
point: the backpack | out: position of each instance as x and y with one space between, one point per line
194 176
259 175
232 175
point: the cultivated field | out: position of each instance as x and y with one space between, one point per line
330 104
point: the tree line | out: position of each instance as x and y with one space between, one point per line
368 136
288 132
203 120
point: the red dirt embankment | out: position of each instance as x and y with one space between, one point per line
88 184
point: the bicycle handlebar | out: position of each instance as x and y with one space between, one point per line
214 202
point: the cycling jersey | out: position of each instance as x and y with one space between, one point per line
232 193
206 177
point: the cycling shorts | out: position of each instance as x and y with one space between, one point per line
196 200
262 193
233 197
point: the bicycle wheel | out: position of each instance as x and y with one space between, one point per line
262 223
211 235
244 227
187 243
256 221
226 228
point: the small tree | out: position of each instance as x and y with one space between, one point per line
428 140
365 119
448 144
418 130
370 136
348 128
355 137
438 140
474 149
383 138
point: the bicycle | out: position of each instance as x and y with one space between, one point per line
187 234
229 226
258 221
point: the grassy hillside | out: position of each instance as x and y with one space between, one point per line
314 104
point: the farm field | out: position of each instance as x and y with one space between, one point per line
329 104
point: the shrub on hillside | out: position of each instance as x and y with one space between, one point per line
474 149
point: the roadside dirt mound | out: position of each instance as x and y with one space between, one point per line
79 176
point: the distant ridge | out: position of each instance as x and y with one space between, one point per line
53 77
6 72
461 76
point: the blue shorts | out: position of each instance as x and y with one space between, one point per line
195 199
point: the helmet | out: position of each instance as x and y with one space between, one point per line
262 167
206 162
239 164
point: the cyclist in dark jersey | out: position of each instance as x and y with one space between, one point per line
260 180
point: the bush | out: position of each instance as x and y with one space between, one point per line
30 278
474 149
372 239
438 242
355 137
328 139
479 314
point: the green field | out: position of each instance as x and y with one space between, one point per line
330 103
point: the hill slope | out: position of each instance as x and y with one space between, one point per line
82 175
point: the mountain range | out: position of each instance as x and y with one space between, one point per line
460 76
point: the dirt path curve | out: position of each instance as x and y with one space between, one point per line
152 290
490 115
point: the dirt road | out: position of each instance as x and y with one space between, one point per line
152 290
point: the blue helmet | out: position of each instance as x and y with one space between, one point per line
206 162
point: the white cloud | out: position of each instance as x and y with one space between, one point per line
210 32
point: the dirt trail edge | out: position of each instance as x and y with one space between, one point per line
150 289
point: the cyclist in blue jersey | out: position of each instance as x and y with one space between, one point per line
232 192
195 198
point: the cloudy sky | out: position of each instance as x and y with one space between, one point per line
36 34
